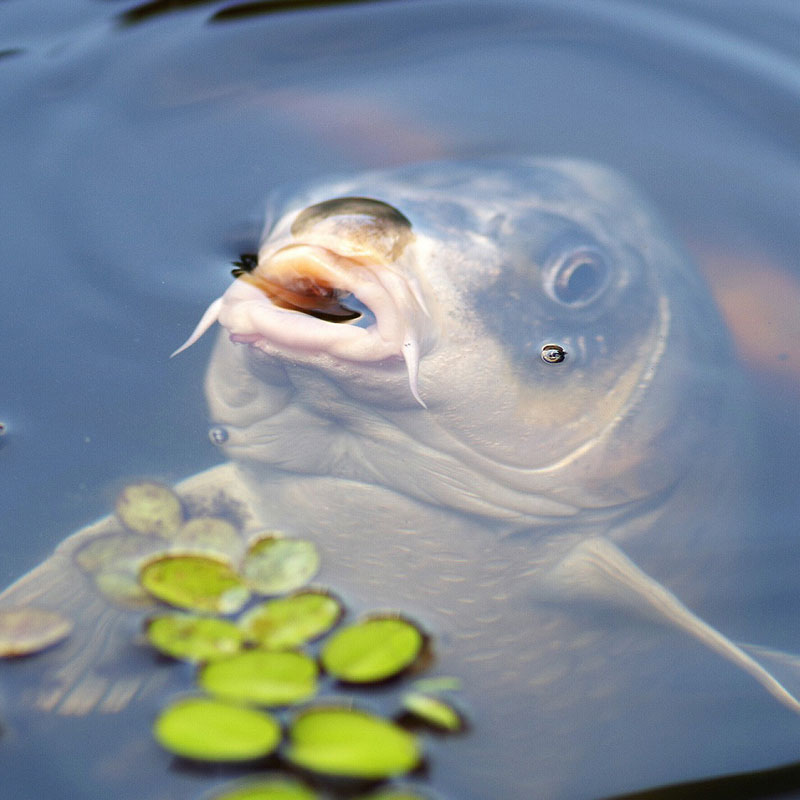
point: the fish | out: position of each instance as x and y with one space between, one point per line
498 396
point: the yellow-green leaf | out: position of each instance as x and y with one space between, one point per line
261 677
198 583
274 565
434 711
149 507
347 742
209 730
194 638
289 622
274 789
372 650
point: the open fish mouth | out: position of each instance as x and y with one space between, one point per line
308 298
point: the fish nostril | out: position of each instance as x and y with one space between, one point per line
218 435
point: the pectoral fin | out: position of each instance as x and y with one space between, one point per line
597 570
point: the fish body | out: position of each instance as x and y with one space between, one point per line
499 398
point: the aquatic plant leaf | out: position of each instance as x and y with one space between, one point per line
122 588
194 638
394 794
275 565
116 550
372 650
434 711
197 583
26 629
275 789
289 622
438 683
149 507
210 535
348 742
210 730
262 677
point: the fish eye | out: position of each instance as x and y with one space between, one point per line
577 277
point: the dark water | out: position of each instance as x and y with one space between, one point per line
137 147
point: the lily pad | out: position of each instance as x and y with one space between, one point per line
372 650
394 793
210 535
194 638
116 550
275 789
263 677
209 730
121 587
433 711
197 583
438 683
148 507
352 743
289 622
275 565
26 630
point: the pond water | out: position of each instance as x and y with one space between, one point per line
138 146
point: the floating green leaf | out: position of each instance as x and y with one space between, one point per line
148 507
347 742
438 683
121 587
372 650
275 565
25 630
394 794
198 583
210 535
289 622
209 730
434 711
194 638
263 677
116 550
275 789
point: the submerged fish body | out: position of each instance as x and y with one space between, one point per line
384 385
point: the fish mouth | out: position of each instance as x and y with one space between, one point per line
305 298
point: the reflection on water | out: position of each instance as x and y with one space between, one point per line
156 8
134 157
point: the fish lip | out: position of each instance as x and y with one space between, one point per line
400 332
251 316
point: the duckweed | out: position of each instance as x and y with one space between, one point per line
433 711
261 677
28 630
194 638
275 565
289 622
194 582
275 789
149 508
210 535
210 730
372 650
122 588
352 743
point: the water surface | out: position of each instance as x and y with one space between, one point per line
139 145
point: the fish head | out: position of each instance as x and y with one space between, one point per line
519 339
